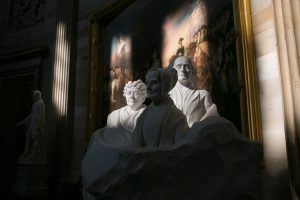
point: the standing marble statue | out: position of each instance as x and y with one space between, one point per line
194 103
35 126
161 124
101 152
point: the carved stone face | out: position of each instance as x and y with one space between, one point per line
36 96
134 97
154 85
184 70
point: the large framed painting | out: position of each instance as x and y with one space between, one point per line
128 37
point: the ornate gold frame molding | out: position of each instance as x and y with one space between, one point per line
250 109
250 112
97 25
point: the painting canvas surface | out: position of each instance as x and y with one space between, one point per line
152 33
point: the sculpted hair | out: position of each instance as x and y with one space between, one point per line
138 85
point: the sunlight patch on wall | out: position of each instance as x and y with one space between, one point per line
61 71
182 26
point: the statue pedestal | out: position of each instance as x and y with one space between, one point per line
31 177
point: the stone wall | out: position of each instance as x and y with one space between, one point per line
19 37
276 177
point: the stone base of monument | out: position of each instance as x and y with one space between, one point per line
31 178
214 162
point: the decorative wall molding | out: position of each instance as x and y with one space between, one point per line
29 61
42 51
25 14
251 122
110 10
97 21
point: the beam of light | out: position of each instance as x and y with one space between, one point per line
182 24
61 71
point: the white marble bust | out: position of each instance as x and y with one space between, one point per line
100 155
194 103
121 122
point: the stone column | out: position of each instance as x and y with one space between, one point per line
287 22
62 95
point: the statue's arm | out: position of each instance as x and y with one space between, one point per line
23 121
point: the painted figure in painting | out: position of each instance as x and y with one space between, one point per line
180 49
35 126
195 104
117 85
161 123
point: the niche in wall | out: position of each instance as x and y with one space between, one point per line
20 75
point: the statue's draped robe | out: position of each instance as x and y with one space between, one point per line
214 161
35 125
119 128
102 153
160 125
